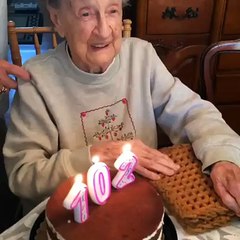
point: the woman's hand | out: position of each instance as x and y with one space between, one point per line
150 161
226 181
6 69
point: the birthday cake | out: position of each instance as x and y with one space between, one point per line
134 212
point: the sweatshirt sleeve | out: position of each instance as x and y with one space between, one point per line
34 162
185 117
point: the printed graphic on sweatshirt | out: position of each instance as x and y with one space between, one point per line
106 123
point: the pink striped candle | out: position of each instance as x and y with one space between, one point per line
125 164
77 200
99 181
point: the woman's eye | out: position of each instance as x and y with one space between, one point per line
85 14
113 11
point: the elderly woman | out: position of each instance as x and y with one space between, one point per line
95 92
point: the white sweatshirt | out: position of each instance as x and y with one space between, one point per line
63 110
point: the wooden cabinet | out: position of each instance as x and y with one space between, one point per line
231 22
178 17
180 30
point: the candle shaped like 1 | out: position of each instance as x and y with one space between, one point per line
99 181
77 199
125 164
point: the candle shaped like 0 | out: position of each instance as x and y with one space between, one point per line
77 199
125 164
99 181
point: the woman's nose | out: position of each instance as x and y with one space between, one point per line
103 27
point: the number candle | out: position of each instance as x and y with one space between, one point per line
125 164
99 181
77 199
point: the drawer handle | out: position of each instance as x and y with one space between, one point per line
170 12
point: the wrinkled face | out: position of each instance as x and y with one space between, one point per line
93 29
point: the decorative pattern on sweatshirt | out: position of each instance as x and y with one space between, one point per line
108 123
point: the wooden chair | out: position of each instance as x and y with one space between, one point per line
177 62
14 31
221 78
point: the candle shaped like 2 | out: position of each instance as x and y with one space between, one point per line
77 199
125 164
99 181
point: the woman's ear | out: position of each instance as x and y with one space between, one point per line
56 20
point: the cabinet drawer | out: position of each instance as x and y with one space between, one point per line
232 18
229 61
179 17
227 78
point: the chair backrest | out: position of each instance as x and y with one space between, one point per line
36 32
213 63
221 78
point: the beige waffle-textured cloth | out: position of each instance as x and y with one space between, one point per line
189 194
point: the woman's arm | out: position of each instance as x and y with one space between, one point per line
34 161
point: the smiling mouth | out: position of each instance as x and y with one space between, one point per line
100 46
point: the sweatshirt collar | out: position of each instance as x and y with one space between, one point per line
85 77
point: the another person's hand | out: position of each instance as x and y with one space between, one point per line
226 181
151 161
5 69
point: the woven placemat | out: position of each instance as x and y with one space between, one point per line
189 194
